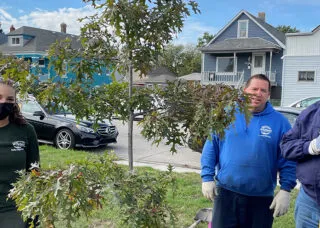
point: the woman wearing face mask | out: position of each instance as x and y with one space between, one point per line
18 150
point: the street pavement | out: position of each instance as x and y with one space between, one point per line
147 154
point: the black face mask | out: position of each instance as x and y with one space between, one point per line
5 110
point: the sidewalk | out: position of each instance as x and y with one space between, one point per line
161 167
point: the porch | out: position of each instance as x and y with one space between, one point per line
235 79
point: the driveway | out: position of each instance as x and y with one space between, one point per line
146 153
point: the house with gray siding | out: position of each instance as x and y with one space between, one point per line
247 45
301 66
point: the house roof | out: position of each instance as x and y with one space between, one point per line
40 41
156 75
240 45
272 30
191 77
278 36
316 29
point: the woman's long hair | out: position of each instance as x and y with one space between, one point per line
16 116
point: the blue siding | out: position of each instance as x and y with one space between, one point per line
276 65
44 73
209 62
242 58
253 31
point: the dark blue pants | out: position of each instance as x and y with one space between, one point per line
233 210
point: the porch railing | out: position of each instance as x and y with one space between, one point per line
229 78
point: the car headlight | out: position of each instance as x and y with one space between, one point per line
85 129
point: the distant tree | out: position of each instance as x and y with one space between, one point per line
287 29
181 59
206 37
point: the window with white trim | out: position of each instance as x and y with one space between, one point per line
225 64
306 76
15 41
243 28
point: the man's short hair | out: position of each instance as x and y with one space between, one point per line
261 77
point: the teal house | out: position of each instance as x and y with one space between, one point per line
33 44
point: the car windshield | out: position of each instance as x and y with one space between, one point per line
53 109
310 101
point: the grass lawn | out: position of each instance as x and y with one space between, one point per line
187 201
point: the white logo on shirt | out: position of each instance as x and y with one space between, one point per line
265 131
18 145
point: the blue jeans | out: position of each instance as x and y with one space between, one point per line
234 210
307 211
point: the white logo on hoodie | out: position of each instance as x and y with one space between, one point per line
265 131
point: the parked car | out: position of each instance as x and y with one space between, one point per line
63 131
305 102
290 113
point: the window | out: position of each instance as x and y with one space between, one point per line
30 107
243 29
41 62
306 75
258 61
225 64
15 41
28 59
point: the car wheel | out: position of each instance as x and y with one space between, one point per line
64 139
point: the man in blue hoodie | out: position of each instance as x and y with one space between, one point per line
239 171
302 144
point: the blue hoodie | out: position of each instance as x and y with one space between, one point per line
248 157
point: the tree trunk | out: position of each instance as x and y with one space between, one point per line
130 123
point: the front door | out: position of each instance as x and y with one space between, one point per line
258 65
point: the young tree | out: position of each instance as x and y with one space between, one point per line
128 35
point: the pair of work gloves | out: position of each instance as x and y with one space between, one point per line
280 203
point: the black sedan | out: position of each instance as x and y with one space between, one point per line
64 131
289 112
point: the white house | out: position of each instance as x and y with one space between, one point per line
301 66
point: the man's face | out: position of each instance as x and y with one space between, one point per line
259 91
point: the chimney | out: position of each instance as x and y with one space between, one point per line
262 16
12 28
63 27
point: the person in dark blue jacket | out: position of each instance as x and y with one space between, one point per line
302 144
239 171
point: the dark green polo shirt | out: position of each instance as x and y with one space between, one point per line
18 149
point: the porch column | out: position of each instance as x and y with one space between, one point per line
270 64
235 68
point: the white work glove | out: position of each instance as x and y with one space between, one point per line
314 146
280 203
209 190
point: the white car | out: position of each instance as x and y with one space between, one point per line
305 102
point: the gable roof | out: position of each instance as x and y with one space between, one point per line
235 44
40 41
278 36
